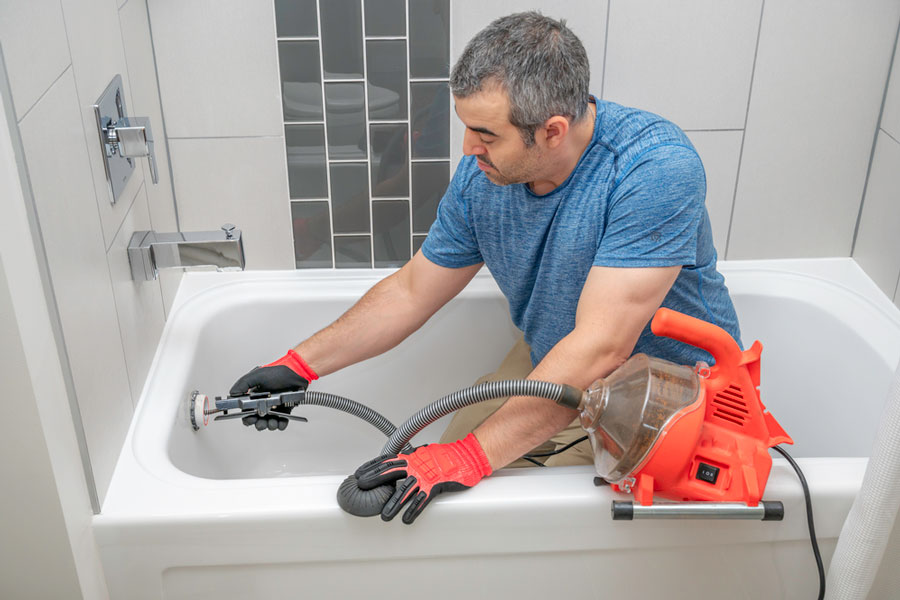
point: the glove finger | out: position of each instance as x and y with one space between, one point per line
282 424
402 494
272 423
243 385
418 505
250 420
381 473
374 461
261 424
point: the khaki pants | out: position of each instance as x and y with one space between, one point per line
517 365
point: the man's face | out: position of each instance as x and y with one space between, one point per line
497 143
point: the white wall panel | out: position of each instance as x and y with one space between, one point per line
66 207
241 181
218 70
890 119
139 304
586 18
96 59
690 62
877 247
720 152
34 46
817 91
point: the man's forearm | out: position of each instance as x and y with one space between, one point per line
525 422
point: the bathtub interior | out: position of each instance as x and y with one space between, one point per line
822 376
469 337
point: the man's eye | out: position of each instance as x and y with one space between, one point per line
486 142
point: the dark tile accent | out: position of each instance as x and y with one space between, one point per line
301 81
386 64
296 18
417 242
430 108
306 161
312 235
429 38
350 197
385 18
352 252
390 160
345 110
390 224
429 182
342 39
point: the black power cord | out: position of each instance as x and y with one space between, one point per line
809 519
809 512
531 457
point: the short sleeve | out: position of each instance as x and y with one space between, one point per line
655 211
451 241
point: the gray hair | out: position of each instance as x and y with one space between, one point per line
538 61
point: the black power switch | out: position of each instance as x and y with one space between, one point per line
708 473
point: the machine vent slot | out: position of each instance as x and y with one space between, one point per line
730 406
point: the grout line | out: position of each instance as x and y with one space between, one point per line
344 80
372 38
885 132
318 122
605 49
430 160
44 93
389 122
409 140
347 160
298 38
351 234
236 137
429 80
862 200
711 130
325 135
368 137
737 176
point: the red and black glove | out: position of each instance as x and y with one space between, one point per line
290 373
430 470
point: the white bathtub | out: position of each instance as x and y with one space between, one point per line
229 512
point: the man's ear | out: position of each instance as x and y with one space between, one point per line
554 130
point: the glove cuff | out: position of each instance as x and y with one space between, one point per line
473 449
296 364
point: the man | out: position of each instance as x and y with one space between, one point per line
589 215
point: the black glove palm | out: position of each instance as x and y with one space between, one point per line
275 379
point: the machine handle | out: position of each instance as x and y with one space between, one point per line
690 330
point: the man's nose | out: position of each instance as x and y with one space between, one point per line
472 144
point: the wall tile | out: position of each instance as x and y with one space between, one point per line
296 18
249 189
95 61
417 242
139 304
35 48
342 54
306 161
429 38
390 226
301 80
311 226
230 85
430 108
587 18
890 120
345 110
429 182
390 160
720 152
877 248
350 197
689 62
386 73
66 207
352 251
385 18
815 103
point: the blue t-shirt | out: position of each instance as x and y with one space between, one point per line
635 199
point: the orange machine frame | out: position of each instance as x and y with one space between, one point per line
719 453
